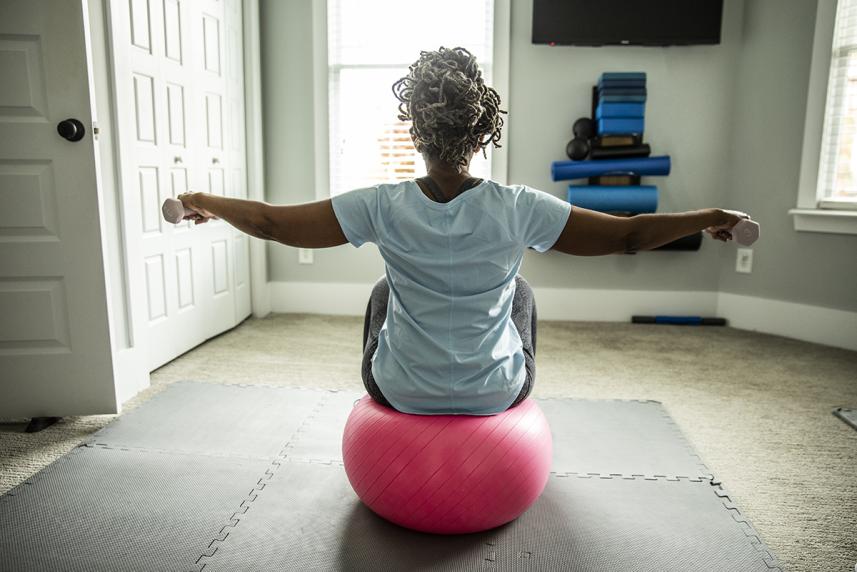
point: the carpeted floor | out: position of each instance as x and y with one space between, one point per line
756 407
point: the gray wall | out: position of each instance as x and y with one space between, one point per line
767 128
287 116
693 114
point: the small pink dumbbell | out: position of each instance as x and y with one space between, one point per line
174 211
746 232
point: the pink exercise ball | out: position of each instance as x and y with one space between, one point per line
447 474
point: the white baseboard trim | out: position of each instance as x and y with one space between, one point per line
131 372
815 324
619 305
800 321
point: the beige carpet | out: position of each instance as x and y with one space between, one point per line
756 407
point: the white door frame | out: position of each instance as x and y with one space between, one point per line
260 291
132 375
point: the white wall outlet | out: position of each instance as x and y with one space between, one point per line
304 255
744 261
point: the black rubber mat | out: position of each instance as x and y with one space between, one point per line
108 509
308 518
618 437
217 477
636 524
215 419
319 438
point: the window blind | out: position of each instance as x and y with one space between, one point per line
371 43
837 174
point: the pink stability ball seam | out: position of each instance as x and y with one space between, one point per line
422 472
442 489
377 427
447 461
484 474
520 477
402 452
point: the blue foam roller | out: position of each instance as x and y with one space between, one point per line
621 125
689 320
635 199
682 320
650 166
609 110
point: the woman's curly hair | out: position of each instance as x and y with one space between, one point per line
452 109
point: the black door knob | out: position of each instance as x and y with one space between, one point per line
71 129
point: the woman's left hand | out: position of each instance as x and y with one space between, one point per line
723 231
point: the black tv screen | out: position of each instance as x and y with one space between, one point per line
626 22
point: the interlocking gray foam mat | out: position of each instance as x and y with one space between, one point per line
224 477
214 419
580 523
611 437
111 509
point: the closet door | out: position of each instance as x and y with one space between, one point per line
171 76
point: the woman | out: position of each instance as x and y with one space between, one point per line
450 329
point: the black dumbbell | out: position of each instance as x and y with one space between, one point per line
584 128
577 149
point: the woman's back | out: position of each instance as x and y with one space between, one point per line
448 344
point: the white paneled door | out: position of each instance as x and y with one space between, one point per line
179 88
55 353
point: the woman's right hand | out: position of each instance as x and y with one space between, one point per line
727 220
192 202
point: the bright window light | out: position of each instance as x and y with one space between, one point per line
837 176
371 43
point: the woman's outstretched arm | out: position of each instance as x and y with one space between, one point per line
591 233
308 225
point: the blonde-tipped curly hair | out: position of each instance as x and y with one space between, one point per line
452 110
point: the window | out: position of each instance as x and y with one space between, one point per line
371 43
837 173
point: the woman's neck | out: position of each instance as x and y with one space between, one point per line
445 174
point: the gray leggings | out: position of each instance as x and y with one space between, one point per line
523 316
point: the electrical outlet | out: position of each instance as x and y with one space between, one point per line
744 261
304 255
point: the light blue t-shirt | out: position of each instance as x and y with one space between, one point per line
448 345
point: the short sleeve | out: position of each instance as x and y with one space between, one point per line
541 218
357 213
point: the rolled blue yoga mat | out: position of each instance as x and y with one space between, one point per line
651 166
609 110
607 83
621 125
680 320
612 98
639 199
640 90
623 76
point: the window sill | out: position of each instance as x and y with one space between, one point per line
824 220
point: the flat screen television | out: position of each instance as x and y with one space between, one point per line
626 22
